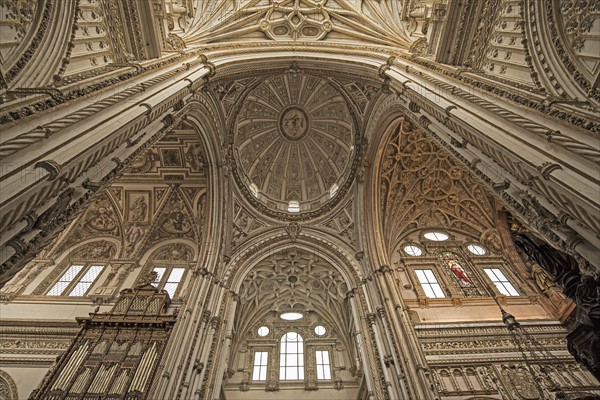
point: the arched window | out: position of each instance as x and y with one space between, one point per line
291 357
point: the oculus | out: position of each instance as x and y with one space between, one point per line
263 331
291 316
320 330
476 249
436 236
413 250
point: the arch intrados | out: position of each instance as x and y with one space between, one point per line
360 63
240 265
393 119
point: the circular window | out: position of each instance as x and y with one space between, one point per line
320 330
263 331
436 236
291 316
413 250
477 250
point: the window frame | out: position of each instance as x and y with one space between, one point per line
76 280
163 281
501 282
283 360
261 366
328 364
437 282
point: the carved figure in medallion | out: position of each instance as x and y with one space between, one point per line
102 219
176 221
293 123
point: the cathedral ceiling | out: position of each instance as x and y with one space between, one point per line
422 187
293 280
294 140
294 137
160 196
366 21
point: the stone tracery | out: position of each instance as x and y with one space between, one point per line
421 186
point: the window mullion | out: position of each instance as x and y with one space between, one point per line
76 279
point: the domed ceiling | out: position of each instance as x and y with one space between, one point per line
294 140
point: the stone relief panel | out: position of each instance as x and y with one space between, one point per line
102 219
578 25
506 54
500 369
420 185
92 45
342 224
159 197
244 224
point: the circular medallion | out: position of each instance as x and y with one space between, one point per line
293 123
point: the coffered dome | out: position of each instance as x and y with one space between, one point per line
294 140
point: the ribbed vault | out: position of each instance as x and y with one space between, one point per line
294 280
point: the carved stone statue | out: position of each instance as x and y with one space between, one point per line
542 279
138 209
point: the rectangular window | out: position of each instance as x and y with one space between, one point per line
260 366
86 281
174 276
502 284
173 281
84 277
430 285
323 366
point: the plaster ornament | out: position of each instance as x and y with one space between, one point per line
101 216
490 238
174 252
293 140
420 186
138 210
